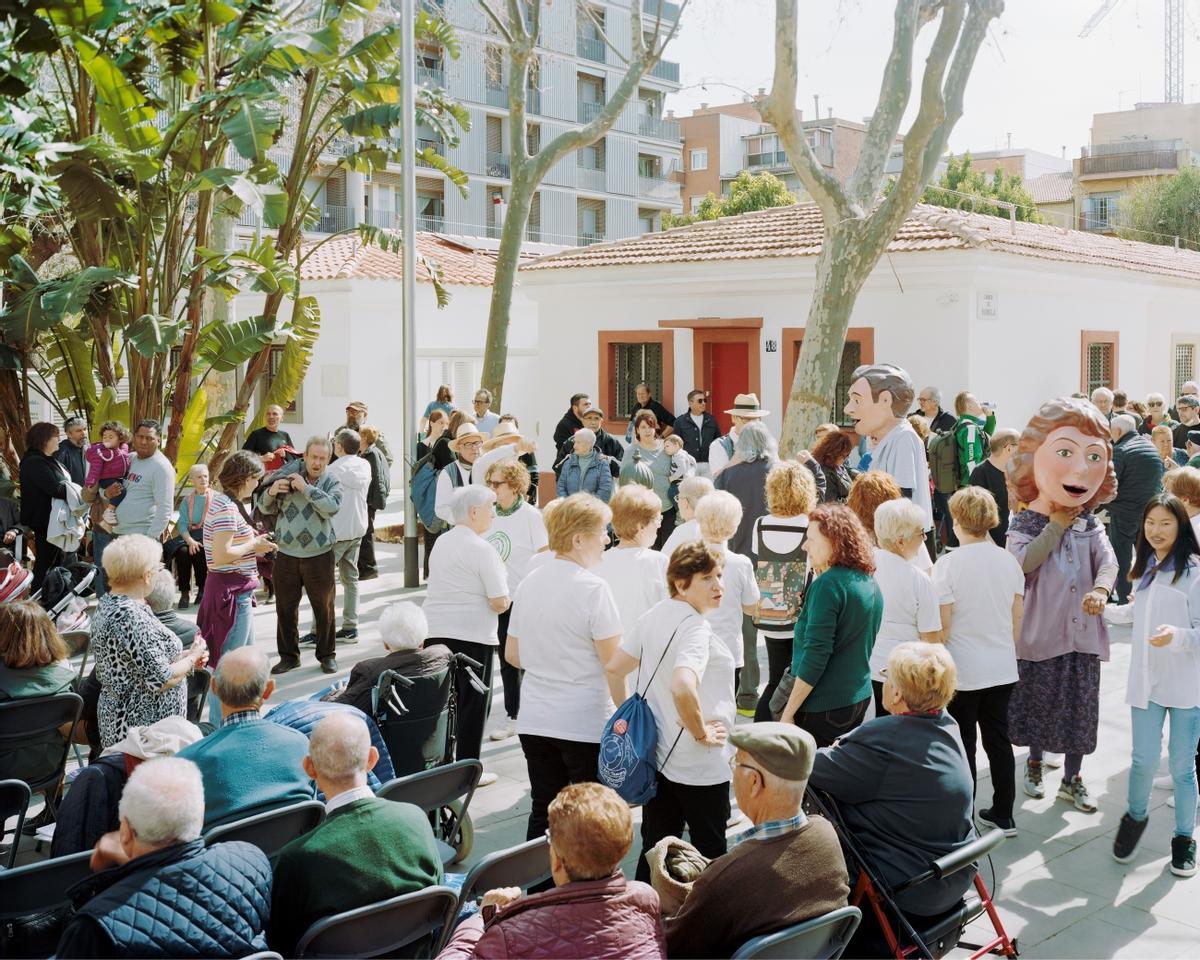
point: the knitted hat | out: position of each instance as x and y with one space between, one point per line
674 866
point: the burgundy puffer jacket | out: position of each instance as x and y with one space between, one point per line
610 918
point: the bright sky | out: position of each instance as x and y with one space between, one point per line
1034 78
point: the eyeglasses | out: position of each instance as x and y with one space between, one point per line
733 765
1155 403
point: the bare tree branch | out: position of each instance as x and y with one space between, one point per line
894 92
590 13
779 110
498 23
516 20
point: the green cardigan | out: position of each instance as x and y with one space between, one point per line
368 850
834 638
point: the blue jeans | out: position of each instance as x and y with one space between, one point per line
101 538
240 634
1181 759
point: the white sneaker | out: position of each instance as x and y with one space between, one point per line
505 732
1165 782
487 778
1052 760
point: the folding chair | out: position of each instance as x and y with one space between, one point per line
264 955
34 723
36 892
273 830
939 934
198 685
521 866
821 938
396 927
445 793
14 802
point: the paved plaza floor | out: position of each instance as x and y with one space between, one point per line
1058 889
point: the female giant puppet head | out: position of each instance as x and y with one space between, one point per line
1064 459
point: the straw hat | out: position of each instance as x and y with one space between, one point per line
466 431
504 433
746 405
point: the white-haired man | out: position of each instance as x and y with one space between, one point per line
1102 399
366 850
349 525
1156 414
161 600
248 765
403 629
304 497
785 870
158 891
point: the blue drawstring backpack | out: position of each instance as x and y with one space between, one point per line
629 744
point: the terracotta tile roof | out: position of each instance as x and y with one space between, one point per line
345 258
1051 187
796 231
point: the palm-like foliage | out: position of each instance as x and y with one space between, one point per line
137 129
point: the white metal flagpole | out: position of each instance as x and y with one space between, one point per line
408 226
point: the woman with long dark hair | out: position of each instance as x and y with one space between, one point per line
831 452
43 480
1164 675
843 608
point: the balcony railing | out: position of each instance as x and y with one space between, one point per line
587 239
590 48
497 164
591 178
533 100
431 76
1124 162
658 188
434 223
586 110
336 219
666 70
670 11
497 95
773 158
429 143
658 127
384 219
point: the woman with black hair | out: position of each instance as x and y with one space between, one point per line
43 480
1164 675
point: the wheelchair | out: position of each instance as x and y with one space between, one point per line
417 717
886 931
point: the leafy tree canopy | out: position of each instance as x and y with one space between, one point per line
1159 210
747 192
962 178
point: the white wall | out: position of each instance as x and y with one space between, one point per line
359 355
924 309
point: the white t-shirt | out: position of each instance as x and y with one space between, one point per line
909 606
516 538
686 532
741 589
901 454
921 561
637 577
696 647
780 541
981 580
464 571
560 610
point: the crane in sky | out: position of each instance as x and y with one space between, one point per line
1172 44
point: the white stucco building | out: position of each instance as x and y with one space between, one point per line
1017 312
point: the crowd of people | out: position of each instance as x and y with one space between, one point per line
921 583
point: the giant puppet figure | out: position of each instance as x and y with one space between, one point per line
1063 470
880 395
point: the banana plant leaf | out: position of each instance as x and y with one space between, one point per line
109 407
70 363
297 355
150 334
191 440
125 114
253 127
224 347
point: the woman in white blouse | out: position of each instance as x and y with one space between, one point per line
685 673
564 628
634 571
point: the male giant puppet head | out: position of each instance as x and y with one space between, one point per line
880 395
1064 459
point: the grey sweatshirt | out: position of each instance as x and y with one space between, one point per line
149 497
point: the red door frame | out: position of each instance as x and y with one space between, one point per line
703 336
791 337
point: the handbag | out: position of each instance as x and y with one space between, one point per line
783 692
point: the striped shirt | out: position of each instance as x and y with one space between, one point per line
222 516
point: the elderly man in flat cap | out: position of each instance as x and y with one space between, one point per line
787 869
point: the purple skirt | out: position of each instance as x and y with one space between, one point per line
1056 704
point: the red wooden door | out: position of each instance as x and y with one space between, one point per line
726 374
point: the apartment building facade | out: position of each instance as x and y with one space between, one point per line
1151 140
721 141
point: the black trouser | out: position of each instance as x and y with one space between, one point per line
988 708
827 725
186 563
943 523
472 705
779 657
665 528
703 810
295 576
1121 534
366 549
48 557
880 709
553 764
430 540
510 676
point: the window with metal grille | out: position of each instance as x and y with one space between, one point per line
631 364
274 362
851 360
1098 371
1183 366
